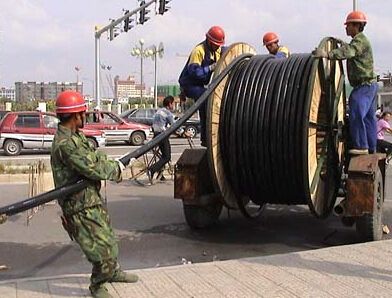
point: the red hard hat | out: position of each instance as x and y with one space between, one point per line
270 37
216 36
356 17
70 102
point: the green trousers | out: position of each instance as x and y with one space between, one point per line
91 229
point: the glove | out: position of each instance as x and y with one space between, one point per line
319 53
3 218
212 67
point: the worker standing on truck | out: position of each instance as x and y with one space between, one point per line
84 217
271 42
362 100
197 71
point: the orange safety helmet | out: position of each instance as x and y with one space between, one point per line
216 36
356 17
270 37
70 102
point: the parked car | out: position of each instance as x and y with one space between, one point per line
35 130
116 129
146 116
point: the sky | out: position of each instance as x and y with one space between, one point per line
43 40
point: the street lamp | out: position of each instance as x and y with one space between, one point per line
77 69
153 52
140 52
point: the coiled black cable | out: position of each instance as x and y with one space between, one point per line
262 129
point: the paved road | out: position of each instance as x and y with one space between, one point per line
152 233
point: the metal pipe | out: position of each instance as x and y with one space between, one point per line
355 5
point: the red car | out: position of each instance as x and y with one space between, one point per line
35 130
116 129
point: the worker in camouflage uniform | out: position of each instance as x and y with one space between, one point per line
84 217
362 101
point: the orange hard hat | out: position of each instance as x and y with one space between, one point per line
216 36
356 17
270 37
70 102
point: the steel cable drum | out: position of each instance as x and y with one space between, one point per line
273 130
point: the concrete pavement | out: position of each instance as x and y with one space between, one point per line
359 270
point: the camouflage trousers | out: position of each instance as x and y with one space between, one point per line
91 229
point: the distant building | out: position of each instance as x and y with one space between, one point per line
28 91
7 93
126 89
384 96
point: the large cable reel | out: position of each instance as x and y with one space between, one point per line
273 130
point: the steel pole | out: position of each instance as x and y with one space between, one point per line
155 78
141 73
355 5
97 74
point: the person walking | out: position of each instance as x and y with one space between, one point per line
84 217
197 71
362 100
271 42
383 126
162 119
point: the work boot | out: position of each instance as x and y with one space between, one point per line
99 291
121 276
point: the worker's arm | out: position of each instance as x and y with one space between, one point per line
93 165
195 69
346 51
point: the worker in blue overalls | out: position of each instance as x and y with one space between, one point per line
198 69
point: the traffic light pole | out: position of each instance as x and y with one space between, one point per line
98 33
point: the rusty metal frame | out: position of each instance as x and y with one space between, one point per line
360 183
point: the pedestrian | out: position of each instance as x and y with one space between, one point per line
84 217
362 100
198 69
383 126
271 42
163 118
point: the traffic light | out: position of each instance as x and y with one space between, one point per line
143 13
113 32
127 22
163 6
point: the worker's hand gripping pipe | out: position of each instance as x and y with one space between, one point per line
78 185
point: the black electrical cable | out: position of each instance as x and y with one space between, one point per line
262 136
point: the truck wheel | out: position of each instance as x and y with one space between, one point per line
93 143
12 147
199 217
369 226
137 138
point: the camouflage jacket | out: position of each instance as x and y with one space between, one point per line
359 57
73 157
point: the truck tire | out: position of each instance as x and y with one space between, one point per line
369 226
12 147
199 217
191 131
137 138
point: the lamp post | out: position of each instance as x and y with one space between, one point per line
77 69
139 51
153 51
